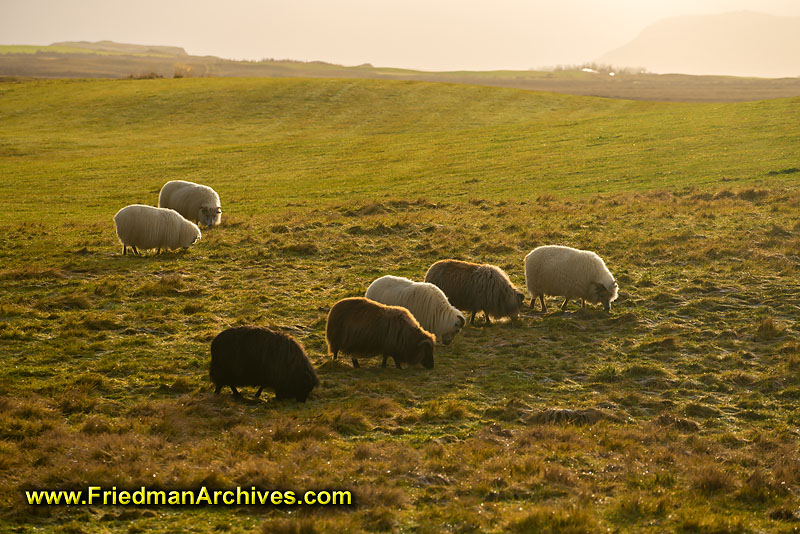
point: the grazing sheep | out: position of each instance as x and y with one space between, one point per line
474 287
146 227
363 327
425 301
569 273
196 202
257 356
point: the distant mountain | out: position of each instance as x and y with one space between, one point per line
737 44
111 46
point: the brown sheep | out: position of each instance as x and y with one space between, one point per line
474 287
363 327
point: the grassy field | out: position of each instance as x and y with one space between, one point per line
678 412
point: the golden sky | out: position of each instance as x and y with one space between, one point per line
420 34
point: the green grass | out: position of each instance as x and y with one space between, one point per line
677 412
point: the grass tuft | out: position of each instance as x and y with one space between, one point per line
769 329
711 480
553 416
32 272
290 526
554 520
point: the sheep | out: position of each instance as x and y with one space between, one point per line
196 202
146 227
258 356
473 287
569 273
363 327
425 301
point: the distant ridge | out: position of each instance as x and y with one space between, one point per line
106 59
111 46
743 43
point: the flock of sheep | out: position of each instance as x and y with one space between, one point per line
397 318
169 226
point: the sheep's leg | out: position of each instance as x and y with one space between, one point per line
235 391
124 250
486 314
258 393
355 363
533 301
544 306
564 306
216 391
472 319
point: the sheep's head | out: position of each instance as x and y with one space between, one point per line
604 294
304 389
190 236
209 215
514 302
425 354
458 324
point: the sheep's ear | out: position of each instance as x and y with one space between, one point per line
461 321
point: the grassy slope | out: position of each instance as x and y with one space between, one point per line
305 140
329 184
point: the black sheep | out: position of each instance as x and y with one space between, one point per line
257 356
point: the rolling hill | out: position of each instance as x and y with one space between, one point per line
106 59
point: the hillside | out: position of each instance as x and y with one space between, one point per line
676 412
736 44
124 48
114 60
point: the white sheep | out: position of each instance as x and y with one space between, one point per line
196 202
146 227
426 302
569 273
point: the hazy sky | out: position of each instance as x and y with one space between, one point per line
422 34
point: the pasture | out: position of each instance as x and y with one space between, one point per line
678 412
